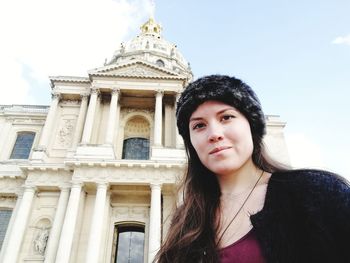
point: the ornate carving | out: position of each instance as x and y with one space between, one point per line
84 96
8 185
70 102
55 96
159 93
65 134
130 213
40 241
115 91
138 71
95 90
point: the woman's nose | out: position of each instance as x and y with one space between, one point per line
215 134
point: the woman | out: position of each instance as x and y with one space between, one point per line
239 205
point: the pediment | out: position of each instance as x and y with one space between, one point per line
134 69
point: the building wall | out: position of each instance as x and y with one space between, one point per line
73 192
128 196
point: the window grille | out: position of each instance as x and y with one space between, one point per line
23 145
136 149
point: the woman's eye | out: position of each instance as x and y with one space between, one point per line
198 126
227 117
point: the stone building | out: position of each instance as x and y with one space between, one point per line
92 177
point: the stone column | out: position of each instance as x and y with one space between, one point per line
89 122
168 127
96 229
155 222
112 118
179 143
46 132
168 207
67 234
9 227
80 121
19 226
158 119
55 232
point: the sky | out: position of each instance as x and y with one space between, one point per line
294 54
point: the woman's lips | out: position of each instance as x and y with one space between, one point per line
219 149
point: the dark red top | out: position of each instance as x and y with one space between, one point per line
245 250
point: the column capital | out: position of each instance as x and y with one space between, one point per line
29 188
95 90
159 92
56 95
177 95
64 187
155 186
115 91
84 96
102 185
77 184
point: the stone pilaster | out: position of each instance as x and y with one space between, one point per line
46 132
155 222
80 122
89 122
19 226
67 234
96 229
179 143
112 118
158 118
10 226
55 232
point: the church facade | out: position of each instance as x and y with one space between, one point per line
93 177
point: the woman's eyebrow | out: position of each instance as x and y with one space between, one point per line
226 109
218 113
195 119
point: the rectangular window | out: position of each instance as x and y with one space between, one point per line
5 216
23 145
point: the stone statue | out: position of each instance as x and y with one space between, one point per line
122 48
40 241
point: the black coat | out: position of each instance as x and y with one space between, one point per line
305 218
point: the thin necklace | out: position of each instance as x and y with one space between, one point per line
239 210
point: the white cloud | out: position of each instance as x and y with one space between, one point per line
304 153
60 37
342 40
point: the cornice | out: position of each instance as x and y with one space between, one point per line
109 75
43 167
69 79
79 163
127 64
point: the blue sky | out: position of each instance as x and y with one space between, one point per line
295 55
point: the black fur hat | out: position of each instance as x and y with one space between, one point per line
226 89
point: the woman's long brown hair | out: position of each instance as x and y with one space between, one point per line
192 234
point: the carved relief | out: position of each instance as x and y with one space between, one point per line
8 185
40 241
70 102
138 71
8 201
137 213
41 236
65 134
137 127
126 111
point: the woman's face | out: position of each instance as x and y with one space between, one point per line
221 136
